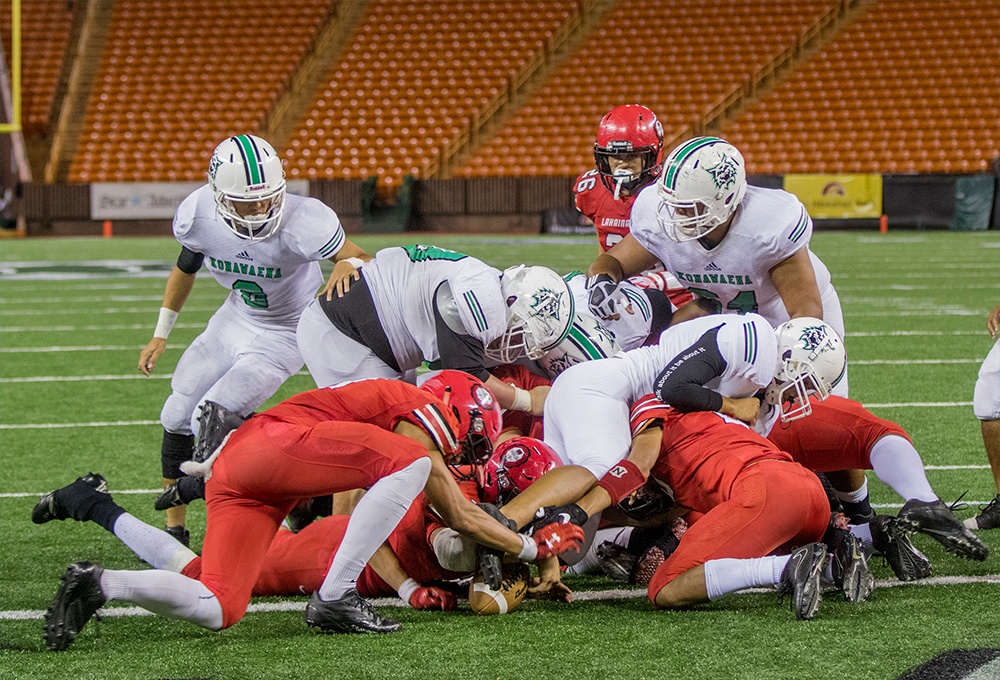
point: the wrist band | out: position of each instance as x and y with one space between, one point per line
355 262
530 550
406 589
165 323
522 400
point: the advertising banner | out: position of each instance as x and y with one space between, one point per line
838 196
151 200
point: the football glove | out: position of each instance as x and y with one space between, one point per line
488 560
432 597
555 539
601 298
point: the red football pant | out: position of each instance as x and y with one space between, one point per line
773 506
264 470
838 435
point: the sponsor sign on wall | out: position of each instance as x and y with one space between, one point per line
838 196
151 200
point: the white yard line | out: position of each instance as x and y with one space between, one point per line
582 596
96 312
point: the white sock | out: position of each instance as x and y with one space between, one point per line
617 535
898 464
376 515
728 575
165 593
156 547
863 533
855 496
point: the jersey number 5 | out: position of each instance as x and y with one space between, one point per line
252 294
744 302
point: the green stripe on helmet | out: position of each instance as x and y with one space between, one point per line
579 338
252 157
682 154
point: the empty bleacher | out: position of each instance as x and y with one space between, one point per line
911 86
678 58
176 78
410 81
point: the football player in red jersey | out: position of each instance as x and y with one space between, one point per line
755 504
388 436
628 154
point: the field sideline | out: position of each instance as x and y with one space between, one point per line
75 312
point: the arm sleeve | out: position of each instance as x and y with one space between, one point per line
458 351
189 261
682 383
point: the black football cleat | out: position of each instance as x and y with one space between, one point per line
349 614
181 492
936 519
73 500
988 517
180 534
850 567
890 539
801 580
78 599
615 561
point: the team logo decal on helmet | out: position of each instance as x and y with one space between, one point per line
724 172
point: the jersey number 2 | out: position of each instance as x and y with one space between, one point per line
252 294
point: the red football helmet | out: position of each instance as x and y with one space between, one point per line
477 411
629 129
512 468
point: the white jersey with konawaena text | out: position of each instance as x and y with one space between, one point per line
587 410
770 226
271 280
403 282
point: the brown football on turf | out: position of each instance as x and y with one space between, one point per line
484 600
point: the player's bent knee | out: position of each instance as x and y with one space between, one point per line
176 413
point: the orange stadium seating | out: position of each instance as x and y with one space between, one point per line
659 54
911 86
45 29
410 80
907 86
178 77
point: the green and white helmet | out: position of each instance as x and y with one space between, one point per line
246 176
702 183
587 340
811 362
540 313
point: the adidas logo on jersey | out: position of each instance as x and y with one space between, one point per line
244 256
712 267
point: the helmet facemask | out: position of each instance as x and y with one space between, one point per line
791 393
621 179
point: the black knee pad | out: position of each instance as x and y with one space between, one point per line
176 449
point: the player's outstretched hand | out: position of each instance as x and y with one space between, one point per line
150 353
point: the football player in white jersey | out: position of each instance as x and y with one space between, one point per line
986 406
420 303
265 246
713 363
738 248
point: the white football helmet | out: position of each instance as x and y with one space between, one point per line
811 361
249 184
587 340
703 181
540 313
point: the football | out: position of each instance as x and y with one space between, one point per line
486 601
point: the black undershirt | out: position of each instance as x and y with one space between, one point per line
189 261
682 383
355 316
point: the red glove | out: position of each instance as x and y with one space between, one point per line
430 597
555 539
